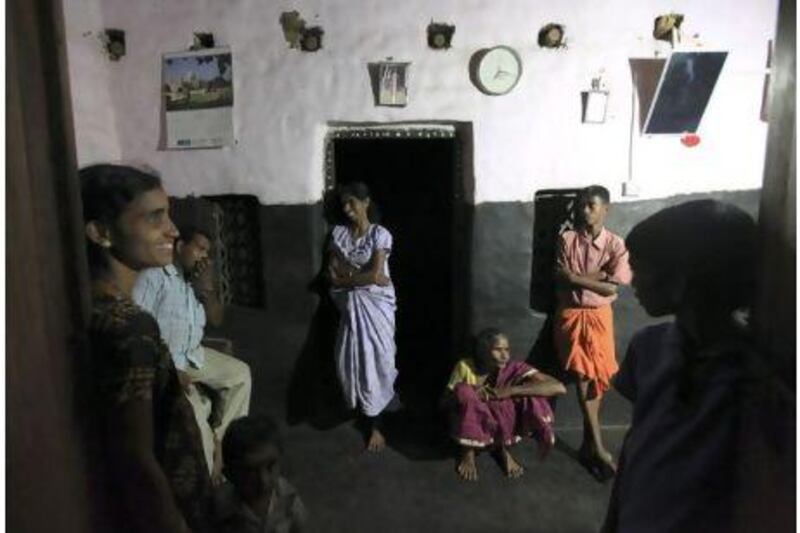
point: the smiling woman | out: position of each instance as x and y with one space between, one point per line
362 289
154 451
127 224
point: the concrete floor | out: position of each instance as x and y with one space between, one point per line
348 490
411 486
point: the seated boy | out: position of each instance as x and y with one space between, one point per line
257 499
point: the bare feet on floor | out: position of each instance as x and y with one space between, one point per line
467 470
512 468
599 463
376 441
608 459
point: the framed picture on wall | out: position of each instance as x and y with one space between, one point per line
198 98
684 91
392 84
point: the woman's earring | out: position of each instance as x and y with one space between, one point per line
106 244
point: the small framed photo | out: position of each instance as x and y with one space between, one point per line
392 84
595 103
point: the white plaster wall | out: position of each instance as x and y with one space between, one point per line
527 140
90 82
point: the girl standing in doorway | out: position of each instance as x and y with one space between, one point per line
362 290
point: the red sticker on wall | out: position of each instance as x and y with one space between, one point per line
690 139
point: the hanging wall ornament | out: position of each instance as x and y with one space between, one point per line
440 35
311 39
202 40
667 27
114 43
690 140
552 36
293 26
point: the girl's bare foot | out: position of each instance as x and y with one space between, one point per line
510 465
376 441
607 459
467 470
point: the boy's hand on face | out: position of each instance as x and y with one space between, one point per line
203 276
202 268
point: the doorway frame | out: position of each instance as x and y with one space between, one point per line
463 187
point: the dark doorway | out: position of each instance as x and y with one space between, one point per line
554 212
416 183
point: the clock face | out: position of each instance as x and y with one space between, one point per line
499 70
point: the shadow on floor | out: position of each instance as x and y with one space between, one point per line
314 395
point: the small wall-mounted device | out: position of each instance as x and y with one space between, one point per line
311 39
440 35
552 36
667 28
114 43
297 35
202 40
630 189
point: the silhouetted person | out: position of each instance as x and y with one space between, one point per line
698 387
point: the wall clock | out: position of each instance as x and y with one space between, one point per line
495 71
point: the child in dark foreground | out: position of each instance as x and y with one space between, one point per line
495 400
257 499
702 395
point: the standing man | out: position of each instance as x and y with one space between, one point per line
180 296
591 262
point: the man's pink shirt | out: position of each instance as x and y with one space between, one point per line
581 254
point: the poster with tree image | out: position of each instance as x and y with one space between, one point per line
198 98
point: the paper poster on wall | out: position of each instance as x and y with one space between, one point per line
198 98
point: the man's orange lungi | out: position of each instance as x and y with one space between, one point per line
584 338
